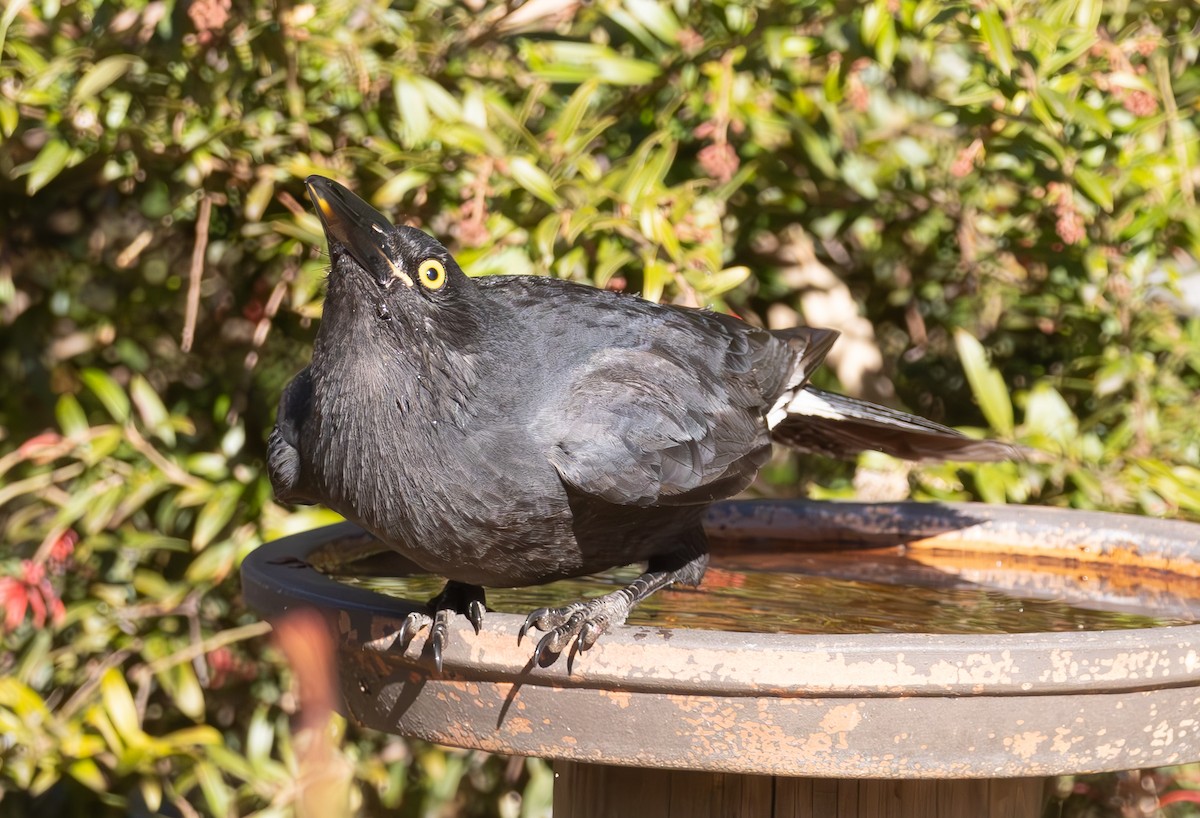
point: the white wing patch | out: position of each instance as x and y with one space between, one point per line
804 402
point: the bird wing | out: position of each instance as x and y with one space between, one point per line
837 426
637 427
283 445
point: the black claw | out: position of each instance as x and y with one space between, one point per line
475 611
529 622
547 649
413 624
436 648
439 635
588 634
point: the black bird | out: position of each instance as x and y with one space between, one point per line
515 430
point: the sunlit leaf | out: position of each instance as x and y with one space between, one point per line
70 415
217 795
986 383
1048 414
119 706
103 74
187 694
995 34
259 198
152 793
1095 186
151 410
656 17
110 393
216 513
87 773
534 179
50 161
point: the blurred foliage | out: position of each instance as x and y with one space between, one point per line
1006 189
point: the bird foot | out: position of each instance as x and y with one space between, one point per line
578 625
455 598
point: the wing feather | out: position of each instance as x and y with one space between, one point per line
637 428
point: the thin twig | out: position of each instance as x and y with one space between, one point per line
173 473
269 311
187 654
197 272
84 693
191 610
39 482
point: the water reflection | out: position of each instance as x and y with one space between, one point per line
871 590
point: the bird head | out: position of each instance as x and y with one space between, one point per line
392 284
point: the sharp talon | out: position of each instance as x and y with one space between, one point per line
588 635
529 620
547 649
439 635
413 624
475 611
436 648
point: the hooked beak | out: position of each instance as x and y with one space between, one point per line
359 228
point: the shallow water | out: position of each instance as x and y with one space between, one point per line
873 591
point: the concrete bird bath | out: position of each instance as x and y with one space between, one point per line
744 716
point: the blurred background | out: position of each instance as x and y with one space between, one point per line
995 201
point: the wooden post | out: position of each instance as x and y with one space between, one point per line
602 791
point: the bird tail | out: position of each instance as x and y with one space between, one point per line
837 426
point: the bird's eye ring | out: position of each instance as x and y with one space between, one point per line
432 274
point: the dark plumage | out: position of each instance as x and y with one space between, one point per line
510 431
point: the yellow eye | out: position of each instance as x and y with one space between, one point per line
432 274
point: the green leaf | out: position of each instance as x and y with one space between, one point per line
414 113
150 407
1061 59
440 102
986 383
151 793
258 198
50 161
103 74
534 179
216 513
1095 186
118 704
109 392
10 115
576 62
722 281
995 34
816 150
569 119
22 700
88 774
1047 413
213 564
186 693
200 735
655 276
70 415
656 17
217 795
11 10
394 189
1087 14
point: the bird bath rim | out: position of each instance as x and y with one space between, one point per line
868 705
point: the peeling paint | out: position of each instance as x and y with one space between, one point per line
1025 745
841 719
